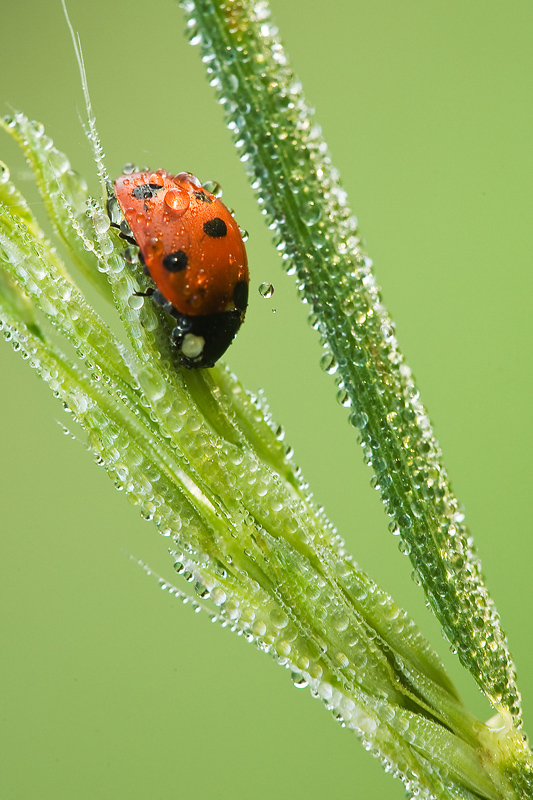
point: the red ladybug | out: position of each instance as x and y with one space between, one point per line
194 252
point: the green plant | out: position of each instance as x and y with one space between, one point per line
244 546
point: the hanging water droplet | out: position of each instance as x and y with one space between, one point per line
218 596
358 419
404 547
394 528
328 363
299 681
266 290
200 589
4 173
343 398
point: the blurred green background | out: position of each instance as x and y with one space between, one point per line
111 689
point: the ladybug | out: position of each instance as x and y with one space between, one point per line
193 250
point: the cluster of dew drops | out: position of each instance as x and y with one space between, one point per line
458 576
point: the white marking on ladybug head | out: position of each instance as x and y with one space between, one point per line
192 346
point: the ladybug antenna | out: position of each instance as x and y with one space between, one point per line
92 133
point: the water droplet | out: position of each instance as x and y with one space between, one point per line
299 681
200 589
343 398
58 161
136 301
415 575
177 200
266 290
394 528
328 363
342 660
188 177
259 628
131 254
405 521
213 187
359 419
312 213
279 618
101 222
4 173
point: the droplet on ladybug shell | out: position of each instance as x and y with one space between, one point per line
177 200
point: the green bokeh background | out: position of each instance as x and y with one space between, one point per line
110 689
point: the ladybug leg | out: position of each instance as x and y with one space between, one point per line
117 220
157 297
162 301
124 231
127 238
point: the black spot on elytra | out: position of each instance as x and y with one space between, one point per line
240 295
216 227
175 262
146 191
202 196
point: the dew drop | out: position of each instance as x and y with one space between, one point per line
101 222
136 301
312 214
278 618
328 363
343 398
359 419
394 528
213 187
266 290
37 128
405 521
188 177
404 547
58 161
131 254
177 200
4 173
259 628
218 596
299 681
415 575
200 589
